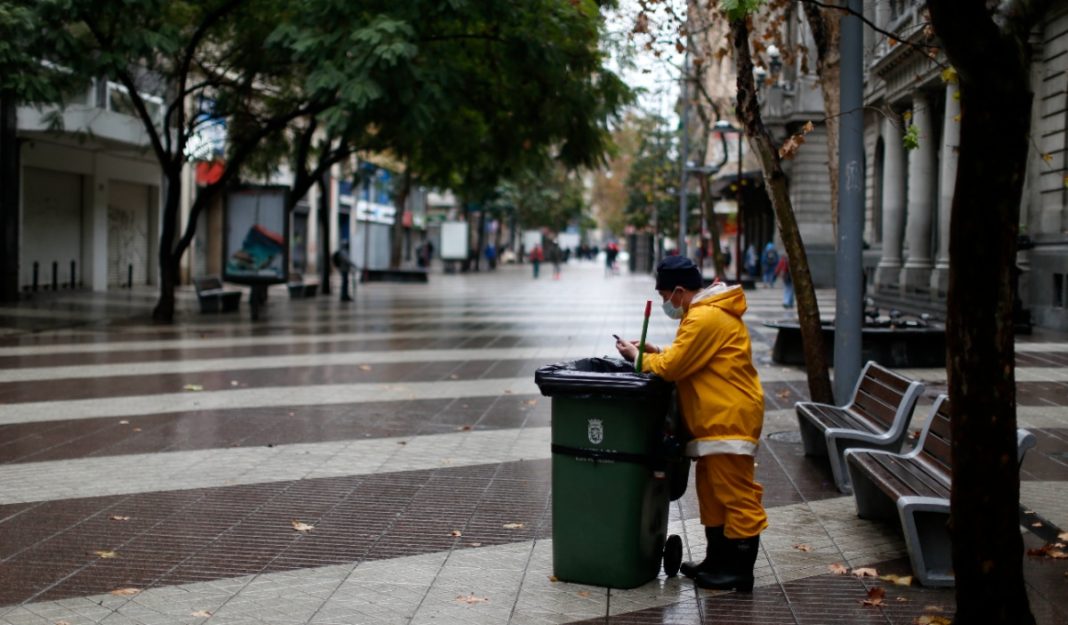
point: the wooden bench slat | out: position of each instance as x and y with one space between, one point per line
914 476
830 416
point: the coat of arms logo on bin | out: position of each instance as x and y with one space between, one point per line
595 431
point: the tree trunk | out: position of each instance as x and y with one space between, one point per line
825 27
819 381
992 64
396 239
168 258
323 214
9 200
713 227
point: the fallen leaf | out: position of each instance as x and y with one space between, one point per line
838 569
234 383
1058 554
124 422
512 526
865 572
192 387
900 580
365 367
105 554
553 579
803 547
136 430
471 599
402 442
1037 524
301 526
201 614
584 593
901 599
783 394
125 592
933 608
464 428
456 533
532 402
1062 536
930 619
875 597
454 377
119 517
475 544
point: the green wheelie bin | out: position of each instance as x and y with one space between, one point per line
616 464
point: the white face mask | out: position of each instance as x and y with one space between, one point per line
671 310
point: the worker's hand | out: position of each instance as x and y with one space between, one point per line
627 349
649 347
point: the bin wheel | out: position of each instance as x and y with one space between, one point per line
672 555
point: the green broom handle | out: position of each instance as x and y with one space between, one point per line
641 344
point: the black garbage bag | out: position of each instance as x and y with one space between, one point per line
598 377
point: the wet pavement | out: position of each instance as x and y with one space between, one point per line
170 474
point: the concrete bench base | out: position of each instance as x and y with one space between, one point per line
394 275
902 348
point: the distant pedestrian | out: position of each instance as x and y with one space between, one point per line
769 261
611 252
782 270
752 261
491 256
344 265
536 256
555 257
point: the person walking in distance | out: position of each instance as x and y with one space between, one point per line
770 260
344 265
536 256
722 402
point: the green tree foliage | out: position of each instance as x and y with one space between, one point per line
652 197
545 198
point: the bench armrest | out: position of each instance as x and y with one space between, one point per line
1024 440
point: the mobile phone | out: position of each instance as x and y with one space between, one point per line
616 337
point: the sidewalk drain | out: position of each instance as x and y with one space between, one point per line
792 437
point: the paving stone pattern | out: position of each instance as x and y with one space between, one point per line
405 429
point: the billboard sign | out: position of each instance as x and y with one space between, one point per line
256 231
454 240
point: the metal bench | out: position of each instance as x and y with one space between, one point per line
876 418
915 488
214 297
298 288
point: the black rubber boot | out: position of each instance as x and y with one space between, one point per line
713 553
737 571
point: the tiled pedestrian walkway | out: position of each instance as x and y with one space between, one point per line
387 462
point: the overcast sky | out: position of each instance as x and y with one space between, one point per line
640 68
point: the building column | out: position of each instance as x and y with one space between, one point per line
95 229
916 272
947 183
893 202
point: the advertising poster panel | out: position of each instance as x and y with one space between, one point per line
255 248
454 240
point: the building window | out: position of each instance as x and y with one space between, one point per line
1058 290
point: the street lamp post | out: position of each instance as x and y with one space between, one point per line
725 126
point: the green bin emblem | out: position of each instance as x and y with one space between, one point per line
595 431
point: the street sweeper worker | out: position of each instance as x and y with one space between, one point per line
711 363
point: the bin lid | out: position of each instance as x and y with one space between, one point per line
598 377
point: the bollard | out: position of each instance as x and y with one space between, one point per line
72 283
36 270
55 276
129 276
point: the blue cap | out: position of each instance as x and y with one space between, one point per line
676 271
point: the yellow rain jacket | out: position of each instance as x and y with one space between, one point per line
711 363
